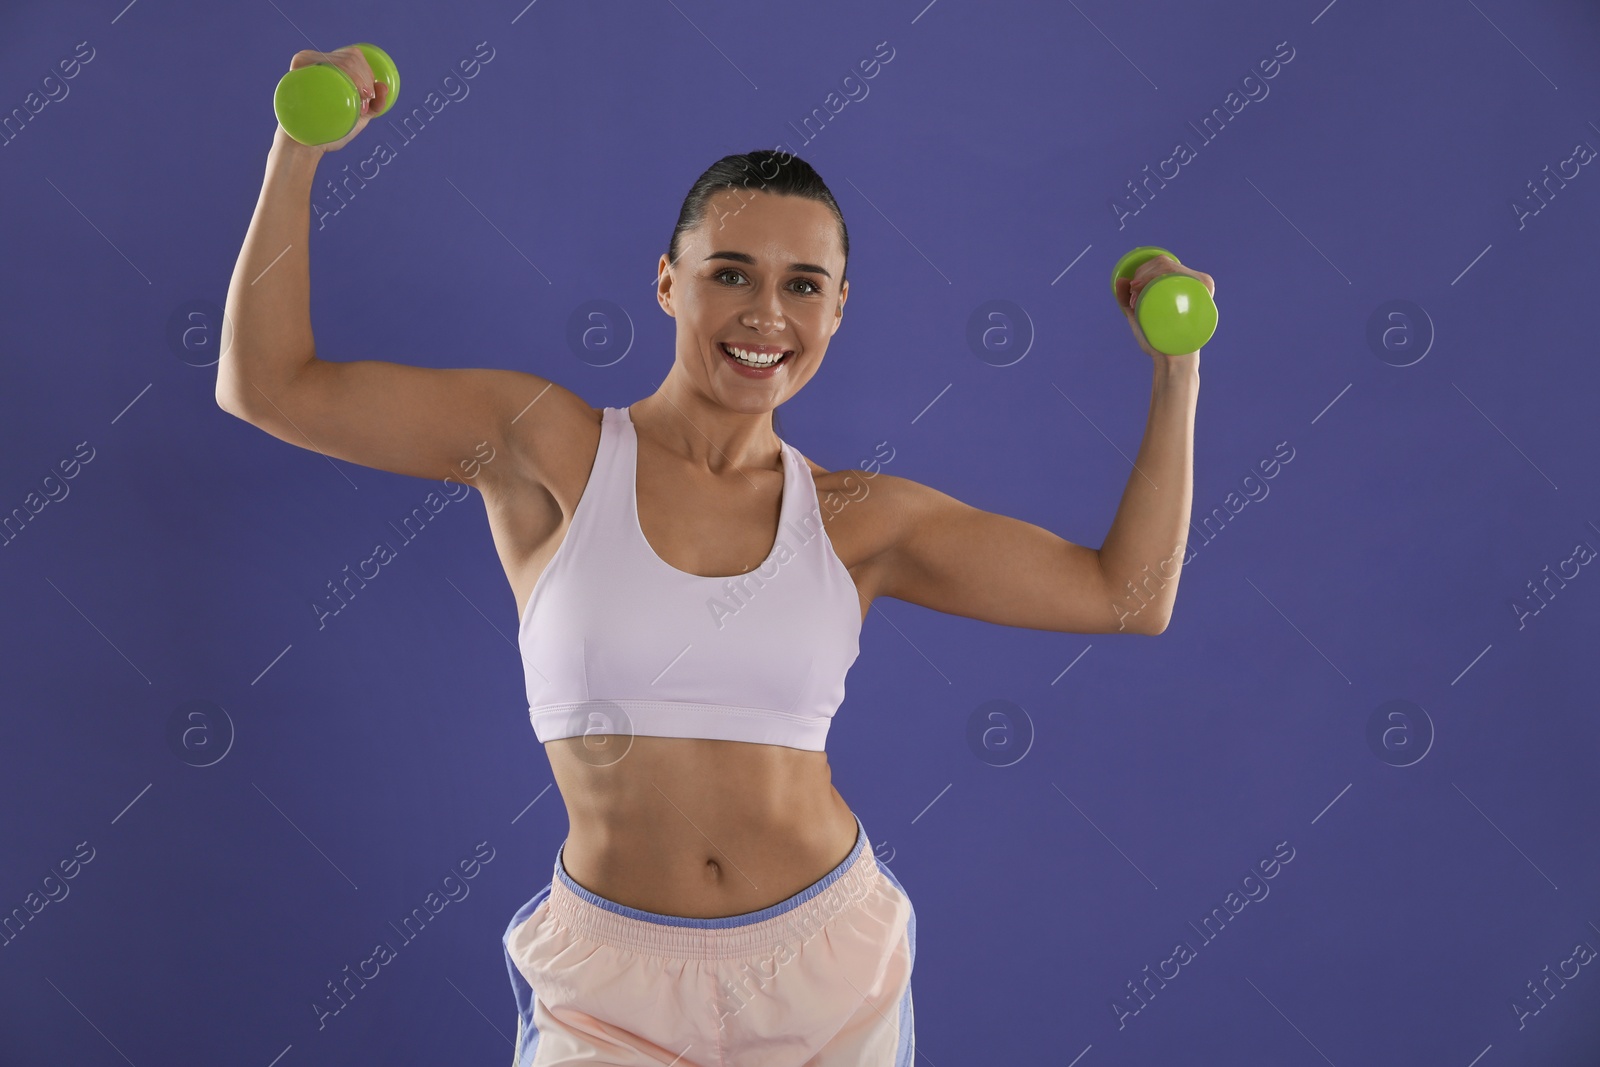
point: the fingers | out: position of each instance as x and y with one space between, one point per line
360 70
1153 268
349 59
1126 295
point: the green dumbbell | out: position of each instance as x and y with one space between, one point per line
1175 311
319 104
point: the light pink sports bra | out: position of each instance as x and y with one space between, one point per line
615 640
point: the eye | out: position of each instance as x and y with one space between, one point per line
815 288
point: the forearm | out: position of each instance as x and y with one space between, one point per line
266 335
1143 552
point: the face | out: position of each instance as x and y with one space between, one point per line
760 273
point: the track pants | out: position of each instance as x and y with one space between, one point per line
822 979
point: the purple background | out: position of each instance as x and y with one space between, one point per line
1382 563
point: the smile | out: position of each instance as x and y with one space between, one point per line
755 360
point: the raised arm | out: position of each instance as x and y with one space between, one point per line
420 421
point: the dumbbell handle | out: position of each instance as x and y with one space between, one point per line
319 103
1175 311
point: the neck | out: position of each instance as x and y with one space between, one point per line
706 435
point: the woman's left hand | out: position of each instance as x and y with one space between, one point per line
1128 290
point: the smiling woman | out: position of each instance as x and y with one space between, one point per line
707 846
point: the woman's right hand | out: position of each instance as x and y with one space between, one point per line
353 62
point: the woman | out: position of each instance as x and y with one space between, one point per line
715 900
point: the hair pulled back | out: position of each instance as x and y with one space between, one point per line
765 170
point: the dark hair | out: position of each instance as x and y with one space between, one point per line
765 170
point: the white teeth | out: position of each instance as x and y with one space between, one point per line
754 358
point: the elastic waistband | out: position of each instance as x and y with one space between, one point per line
682 937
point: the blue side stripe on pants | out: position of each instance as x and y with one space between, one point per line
908 1041
527 1036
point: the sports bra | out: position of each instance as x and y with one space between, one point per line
615 640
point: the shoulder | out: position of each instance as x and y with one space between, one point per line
868 510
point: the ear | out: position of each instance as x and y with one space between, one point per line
838 312
664 284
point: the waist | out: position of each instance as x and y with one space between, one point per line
698 828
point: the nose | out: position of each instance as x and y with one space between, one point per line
765 313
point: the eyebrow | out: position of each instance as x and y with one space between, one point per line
741 257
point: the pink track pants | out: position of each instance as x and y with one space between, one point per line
822 979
